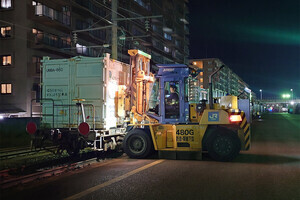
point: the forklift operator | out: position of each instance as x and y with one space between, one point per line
172 103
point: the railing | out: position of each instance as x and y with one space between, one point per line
40 114
62 17
52 40
57 111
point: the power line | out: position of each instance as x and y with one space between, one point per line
92 12
143 17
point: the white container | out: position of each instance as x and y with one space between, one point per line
96 80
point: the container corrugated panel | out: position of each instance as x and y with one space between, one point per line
95 80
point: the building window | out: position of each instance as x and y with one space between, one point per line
6 3
167 36
154 28
166 49
143 4
201 73
81 49
5 60
6 88
201 80
6 32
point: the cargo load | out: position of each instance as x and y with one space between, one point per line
93 81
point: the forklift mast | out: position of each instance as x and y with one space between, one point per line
141 81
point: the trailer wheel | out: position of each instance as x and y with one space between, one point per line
223 145
137 144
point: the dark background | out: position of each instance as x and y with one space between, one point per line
258 40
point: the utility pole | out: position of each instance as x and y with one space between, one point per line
114 31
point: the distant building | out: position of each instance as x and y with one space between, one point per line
225 82
33 29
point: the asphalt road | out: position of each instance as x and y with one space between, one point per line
270 170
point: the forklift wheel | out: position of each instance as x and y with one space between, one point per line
223 145
137 144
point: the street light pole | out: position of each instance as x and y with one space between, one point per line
292 94
260 94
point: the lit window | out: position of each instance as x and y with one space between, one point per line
166 49
154 27
6 88
39 10
5 60
167 36
35 31
201 86
81 49
201 73
5 3
5 32
141 3
201 80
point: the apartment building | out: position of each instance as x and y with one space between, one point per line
67 28
225 82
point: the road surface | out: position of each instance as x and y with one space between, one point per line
270 170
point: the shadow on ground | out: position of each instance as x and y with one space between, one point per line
265 159
242 158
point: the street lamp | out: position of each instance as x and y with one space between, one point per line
292 94
260 94
286 96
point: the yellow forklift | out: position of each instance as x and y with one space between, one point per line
181 129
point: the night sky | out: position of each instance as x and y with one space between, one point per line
258 40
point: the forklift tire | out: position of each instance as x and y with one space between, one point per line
137 144
223 145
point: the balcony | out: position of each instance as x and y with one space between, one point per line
186 9
184 20
186 41
178 32
158 45
50 17
186 30
178 56
186 50
157 58
167 26
50 43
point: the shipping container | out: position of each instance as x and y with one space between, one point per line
92 81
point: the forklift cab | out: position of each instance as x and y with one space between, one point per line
169 98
